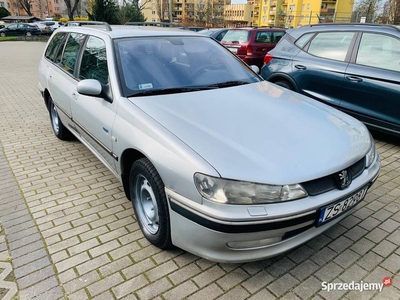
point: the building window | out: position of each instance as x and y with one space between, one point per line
56 8
56 1
153 12
308 6
1 4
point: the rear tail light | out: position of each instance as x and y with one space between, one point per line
249 50
268 58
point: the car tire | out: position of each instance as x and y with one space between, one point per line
28 34
2 34
284 83
58 127
150 203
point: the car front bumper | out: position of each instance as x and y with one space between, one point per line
225 240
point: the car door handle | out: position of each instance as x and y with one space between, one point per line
75 95
51 77
354 78
300 67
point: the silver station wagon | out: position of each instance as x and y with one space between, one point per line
215 160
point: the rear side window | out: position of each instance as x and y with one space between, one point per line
236 36
53 46
331 45
71 50
94 61
263 37
303 40
379 51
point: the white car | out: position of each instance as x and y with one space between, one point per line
216 160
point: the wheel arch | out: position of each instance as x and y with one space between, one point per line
128 157
46 97
281 76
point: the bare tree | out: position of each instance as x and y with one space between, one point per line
394 12
368 9
72 6
199 11
43 8
26 5
162 7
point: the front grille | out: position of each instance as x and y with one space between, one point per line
327 183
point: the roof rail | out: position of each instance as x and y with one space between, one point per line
360 24
81 23
157 24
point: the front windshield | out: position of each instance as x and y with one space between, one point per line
177 64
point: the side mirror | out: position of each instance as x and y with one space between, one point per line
255 69
90 87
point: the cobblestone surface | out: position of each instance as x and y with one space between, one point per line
68 232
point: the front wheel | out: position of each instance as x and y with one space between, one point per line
59 129
2 34
150 203
28 34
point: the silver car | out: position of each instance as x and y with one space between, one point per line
215 160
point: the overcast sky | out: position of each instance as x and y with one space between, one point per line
238 1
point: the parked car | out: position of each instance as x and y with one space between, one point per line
353 67
251 44
215 160
196 29
216 33
16 29
44 27
52 24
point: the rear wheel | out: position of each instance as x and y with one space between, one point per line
2 34
28 34
284 83
150 203
59 129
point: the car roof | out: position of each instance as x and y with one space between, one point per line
121 31
258 28
296 32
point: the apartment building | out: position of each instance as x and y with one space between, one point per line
294 13
39 8
239 15
208 13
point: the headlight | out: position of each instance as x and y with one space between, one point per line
370 157
241 192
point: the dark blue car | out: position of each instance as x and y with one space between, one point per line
354 67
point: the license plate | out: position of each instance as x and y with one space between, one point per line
233 50
330 212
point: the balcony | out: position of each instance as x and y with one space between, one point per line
271 22
282 12
272 3
272 12
328 11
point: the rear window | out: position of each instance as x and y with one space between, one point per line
236 36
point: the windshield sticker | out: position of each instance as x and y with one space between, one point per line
145 86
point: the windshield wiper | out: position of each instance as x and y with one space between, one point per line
172 91
228 83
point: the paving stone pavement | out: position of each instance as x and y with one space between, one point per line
70 233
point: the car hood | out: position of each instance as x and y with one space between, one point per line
261 132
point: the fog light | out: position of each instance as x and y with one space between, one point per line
250 245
